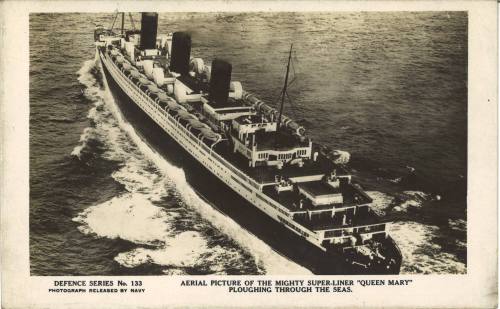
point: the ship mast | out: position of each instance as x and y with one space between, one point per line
283 92
123 22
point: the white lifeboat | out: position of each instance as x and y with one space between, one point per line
144 81
196 124
172 105
209 134
152 88
162 96
185 115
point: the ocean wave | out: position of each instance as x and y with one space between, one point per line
381 202
457 224
103 127
135 216
398 202
411 199
182 250
420 253
130 217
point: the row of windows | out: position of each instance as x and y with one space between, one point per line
302 152
285 156
263 155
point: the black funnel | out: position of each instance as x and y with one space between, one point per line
181 52
220 79
149 28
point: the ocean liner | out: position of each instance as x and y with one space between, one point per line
251 147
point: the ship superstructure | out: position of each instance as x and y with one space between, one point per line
263 155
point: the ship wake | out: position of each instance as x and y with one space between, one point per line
417 241
155 210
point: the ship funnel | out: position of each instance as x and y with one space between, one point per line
220 79
149 28
181 52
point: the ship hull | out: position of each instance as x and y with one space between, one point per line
226 199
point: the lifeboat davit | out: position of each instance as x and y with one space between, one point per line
162 99
144 81
127 66
162 96
196 124
134 75
209 134
153 88
173 106
120 59
185 115
188 107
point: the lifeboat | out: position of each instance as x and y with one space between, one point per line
144 83
153 88
173 107
162 99
126 66
195 126
134 75
252 100
188 107
185 116
195 123
152 91
209 135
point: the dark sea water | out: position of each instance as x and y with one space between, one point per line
389 88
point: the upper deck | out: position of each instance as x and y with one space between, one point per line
267 175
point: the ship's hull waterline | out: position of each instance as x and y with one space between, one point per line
244 203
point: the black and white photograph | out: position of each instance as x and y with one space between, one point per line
248 143
250 154
252 143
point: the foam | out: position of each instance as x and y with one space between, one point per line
381 202
457 224
415 200
420 254
130 216
343 157
183 250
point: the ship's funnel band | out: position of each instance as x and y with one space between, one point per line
149 28
220 80
181 52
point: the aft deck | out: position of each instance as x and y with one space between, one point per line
351 195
